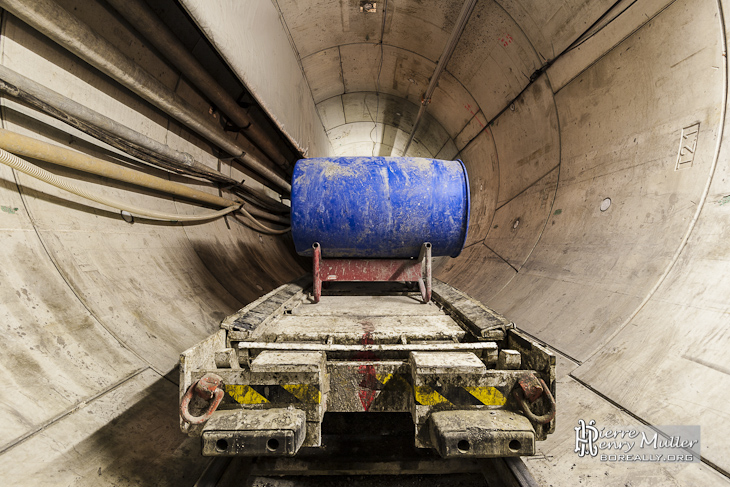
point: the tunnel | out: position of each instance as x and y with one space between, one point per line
592 133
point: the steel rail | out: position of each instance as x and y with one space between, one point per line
213 472
507 472
497 472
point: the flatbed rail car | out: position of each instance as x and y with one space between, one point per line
473 384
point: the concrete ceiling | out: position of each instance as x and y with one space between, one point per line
344 51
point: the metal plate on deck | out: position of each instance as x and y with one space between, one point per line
351 329
368 306
447 363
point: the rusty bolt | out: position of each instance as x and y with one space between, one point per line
530 386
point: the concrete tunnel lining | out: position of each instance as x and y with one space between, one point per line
97 310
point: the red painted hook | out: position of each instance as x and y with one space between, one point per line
209 387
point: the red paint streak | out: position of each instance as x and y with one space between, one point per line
505 40
468 107
369 384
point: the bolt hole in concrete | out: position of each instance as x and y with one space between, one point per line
127 216
221 445
272 444
605 204
514 445
463 446
368 7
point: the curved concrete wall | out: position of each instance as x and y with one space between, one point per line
554 107
95 310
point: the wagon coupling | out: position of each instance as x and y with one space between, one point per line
528 390
210 388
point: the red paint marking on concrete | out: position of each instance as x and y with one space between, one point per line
369 384
468 107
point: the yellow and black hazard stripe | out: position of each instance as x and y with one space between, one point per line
449 395
394 382
424 395
458 396
276 394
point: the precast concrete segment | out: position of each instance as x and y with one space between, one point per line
449 47
690 307
614 256
82 276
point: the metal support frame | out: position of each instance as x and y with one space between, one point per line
373 270
451 390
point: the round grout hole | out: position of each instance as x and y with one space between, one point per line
463 446
221 445
605 204
515 224
272 444
515 445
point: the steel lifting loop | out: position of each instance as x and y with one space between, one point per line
519 394
209 387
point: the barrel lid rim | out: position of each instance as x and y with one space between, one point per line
468 208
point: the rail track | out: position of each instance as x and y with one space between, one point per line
261 472
366 451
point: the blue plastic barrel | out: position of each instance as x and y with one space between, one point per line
379 207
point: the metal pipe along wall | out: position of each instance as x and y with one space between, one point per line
55 22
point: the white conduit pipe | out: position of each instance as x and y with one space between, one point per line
28 147
260 227
25 167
